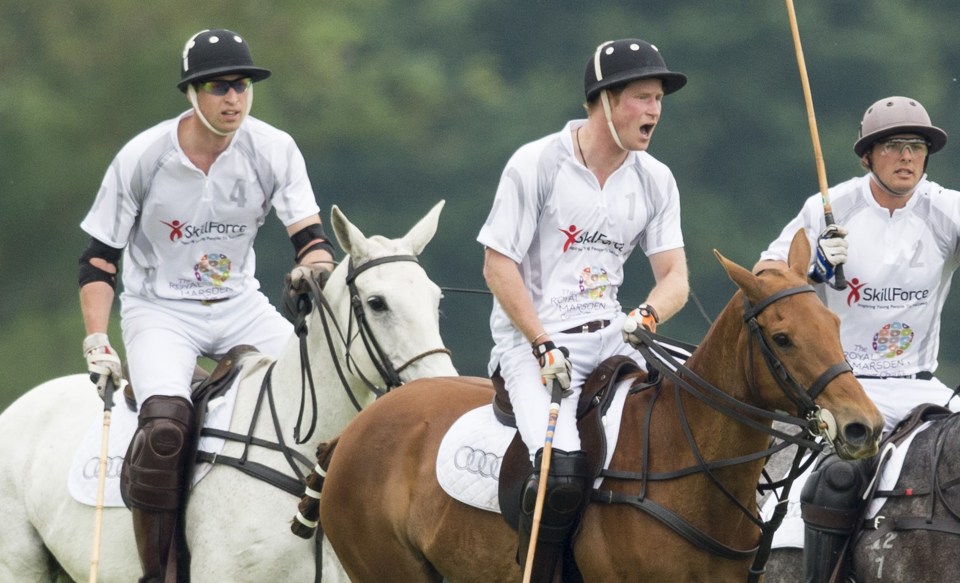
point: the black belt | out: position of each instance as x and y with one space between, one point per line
588 327
923 375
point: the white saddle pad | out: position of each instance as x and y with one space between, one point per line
468 463
83 477
790 533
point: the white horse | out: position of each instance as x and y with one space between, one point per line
237 527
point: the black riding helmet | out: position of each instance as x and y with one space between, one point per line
219 51
621 61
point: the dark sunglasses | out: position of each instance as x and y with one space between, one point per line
220 87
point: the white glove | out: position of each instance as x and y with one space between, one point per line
102 361
832 249
313 271
554 366
644 316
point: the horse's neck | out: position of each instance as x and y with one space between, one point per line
327 362
719 360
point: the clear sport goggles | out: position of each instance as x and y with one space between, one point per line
220 87
916 146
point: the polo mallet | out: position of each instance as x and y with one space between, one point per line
556 394
839 281
101 484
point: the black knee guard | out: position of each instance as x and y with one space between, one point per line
831 498
831 505
154 469
564 500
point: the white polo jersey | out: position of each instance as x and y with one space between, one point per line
898 273
189 235
569 236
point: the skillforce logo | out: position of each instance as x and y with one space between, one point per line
186 232
596 240
861 292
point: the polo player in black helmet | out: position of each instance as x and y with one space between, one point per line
182 203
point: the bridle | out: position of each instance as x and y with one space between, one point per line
381 361
385 368
298 308
820 421
813 421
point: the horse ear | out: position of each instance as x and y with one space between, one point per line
745 280
798 257
351 239
425 229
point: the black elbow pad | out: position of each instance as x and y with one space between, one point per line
89 272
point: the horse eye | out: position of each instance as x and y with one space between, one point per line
782 340
377 303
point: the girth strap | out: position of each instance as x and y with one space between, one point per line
894 523
255 470
688 531
293 484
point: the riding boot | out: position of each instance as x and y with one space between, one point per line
830 503
154 531
153 483
564 500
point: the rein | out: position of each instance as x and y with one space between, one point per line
303 307
386 369
685 380
802 398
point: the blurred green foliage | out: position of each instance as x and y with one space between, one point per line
399 103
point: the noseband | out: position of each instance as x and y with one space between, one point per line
814 421
303 306
389 373
820 422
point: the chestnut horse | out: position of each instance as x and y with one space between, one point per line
388 519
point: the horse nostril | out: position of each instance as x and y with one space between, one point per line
855 434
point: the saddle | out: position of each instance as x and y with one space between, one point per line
917 416
595 399
205 386
203 383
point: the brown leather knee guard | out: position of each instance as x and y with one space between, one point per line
154 469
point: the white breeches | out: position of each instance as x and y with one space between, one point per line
164 338
896 397
531 401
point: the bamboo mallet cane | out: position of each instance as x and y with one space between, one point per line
101 484
839 280
556 395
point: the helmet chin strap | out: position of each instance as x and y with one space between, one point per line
886 188
598 71
192 96
606 111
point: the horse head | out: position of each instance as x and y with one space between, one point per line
386 305
791 358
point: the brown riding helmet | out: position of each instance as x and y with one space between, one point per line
897 115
